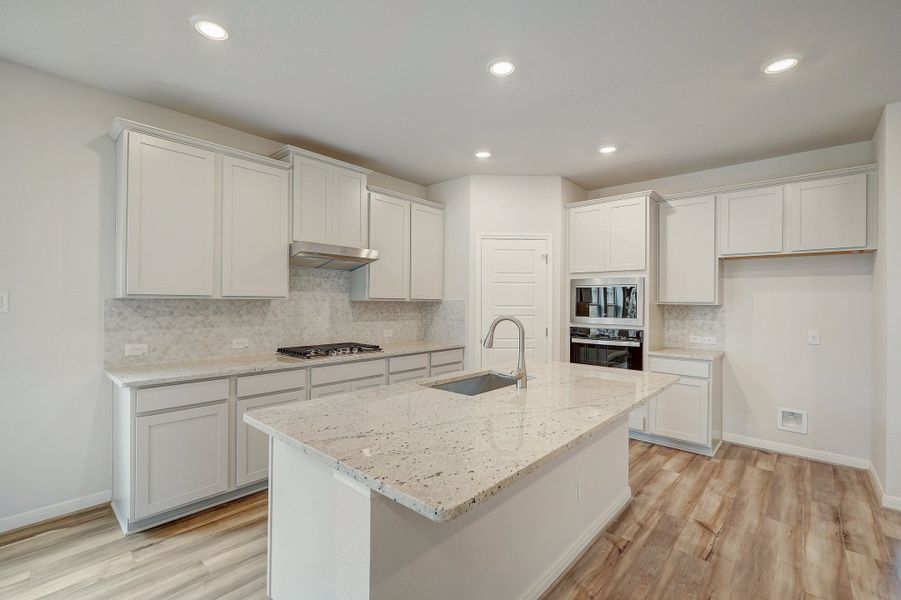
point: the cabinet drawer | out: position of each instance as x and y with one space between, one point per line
445 357
408 375
408 363
354 370
675 366
186 394
444 369
252 385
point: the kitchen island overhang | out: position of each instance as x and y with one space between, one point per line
407 491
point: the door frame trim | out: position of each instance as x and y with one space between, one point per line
474 335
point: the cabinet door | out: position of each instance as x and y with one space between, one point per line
170 218
638 418
348 209
332 389
389 226
625 233
586 239
254 229
681 411
426 253
180 457
251 444
312 186
829 214
751 221
689 267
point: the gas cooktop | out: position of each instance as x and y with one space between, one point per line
321 350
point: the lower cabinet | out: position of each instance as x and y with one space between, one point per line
342 387
252 445
682 411
445 361
180 457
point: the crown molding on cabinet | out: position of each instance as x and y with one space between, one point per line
119 125
386 192
644 193
286 150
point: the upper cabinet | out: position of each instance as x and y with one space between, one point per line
689 270
608 235
828 214
198 219
751 221
328 199
408 234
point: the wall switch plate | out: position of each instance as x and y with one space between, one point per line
239 343
135 349
813 337
388 333
708 339
4 302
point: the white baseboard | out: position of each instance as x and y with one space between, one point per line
54 510
889 502
575 550
817 455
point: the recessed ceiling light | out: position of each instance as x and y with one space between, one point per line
501 68
781 65
209 29
483 154
608 150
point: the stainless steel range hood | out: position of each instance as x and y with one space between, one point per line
329 256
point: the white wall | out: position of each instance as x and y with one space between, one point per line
57 181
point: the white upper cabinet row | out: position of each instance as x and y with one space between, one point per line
608 236
198 219
328 199
408 234
829 214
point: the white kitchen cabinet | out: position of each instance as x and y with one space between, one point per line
751 221
638 418
342 387
689 269
329 203
426 252
828 214
180 457
254 229
681 412
389 226
251 444
608 236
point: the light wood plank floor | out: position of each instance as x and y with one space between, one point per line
746 524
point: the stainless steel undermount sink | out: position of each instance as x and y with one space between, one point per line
477 384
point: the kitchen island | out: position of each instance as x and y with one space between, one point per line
408 491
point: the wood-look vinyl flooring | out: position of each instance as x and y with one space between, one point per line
743 525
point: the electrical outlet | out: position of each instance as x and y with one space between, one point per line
4 302
708 339
135 349
239 343
388 333
813 337
579 484
694 339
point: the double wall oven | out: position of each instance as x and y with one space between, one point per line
606 317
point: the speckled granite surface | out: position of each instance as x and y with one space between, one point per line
440 453
175 372
690 353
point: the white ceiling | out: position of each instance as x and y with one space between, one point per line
402 86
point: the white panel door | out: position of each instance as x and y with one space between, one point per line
251 444
751 221
312 185
389 226
348 209
828 214
426 252
254 229
626 227
688 262
171 216
180 457
681 412
514 281
587 245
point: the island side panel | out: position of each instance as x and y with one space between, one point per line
513 545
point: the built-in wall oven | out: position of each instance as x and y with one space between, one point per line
608 302
617 348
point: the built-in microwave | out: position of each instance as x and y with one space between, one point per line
608 302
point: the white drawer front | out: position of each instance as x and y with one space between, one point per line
676 366
408 375
178 396
444 369
446 357
346 372
251 385
408 363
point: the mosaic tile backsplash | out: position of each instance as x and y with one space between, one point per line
682 322
318 310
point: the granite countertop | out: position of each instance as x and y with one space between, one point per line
690 353
440 453
158 374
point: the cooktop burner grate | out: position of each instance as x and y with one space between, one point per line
320 350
